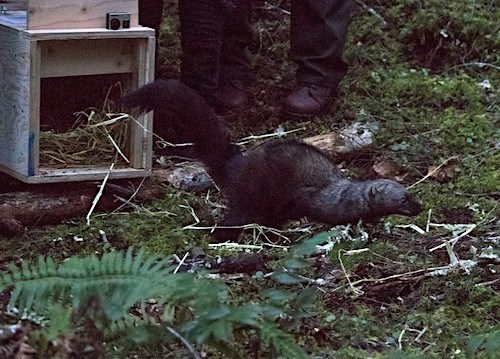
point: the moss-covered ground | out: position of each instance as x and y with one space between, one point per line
427 72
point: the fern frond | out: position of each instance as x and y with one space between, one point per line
284 343
104 289
488 341
118 279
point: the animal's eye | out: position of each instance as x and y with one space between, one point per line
404 200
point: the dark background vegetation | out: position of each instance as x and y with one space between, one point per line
427 73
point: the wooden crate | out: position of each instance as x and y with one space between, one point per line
29 55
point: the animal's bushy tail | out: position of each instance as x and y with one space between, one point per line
191 115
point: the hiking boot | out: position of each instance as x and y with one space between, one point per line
232 96
307 101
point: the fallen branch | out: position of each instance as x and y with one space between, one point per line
372 11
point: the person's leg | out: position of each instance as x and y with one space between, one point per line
318 33
235 66
150 15
201 40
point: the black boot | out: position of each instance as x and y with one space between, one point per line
232 95
318 32
306 101
235 60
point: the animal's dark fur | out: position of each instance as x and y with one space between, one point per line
274 182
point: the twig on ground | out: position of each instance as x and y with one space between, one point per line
181 262
468 228
277 133
357 292
400 337
475 63
488 283
420 333
433 171
104 238
428 224
372 11
137 207
132 195
99 194
191 212
235 245
184 341
257 229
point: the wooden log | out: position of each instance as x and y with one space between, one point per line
41 206
351 138
38 205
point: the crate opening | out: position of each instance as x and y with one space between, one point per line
80 124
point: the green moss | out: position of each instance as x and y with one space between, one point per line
481 174
440 34
157 228
453 319
465 133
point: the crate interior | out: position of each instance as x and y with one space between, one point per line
72 114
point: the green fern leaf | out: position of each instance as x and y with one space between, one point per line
14 297
51 267
492 343
42 266
146 266
6 279
16 273
282 342
104 289
127 265
118 265
137 261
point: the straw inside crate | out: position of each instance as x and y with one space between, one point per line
98 138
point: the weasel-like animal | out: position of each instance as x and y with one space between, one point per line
277 181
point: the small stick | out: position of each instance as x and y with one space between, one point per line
278 133
355 290
433 171
99 194
427 226
372 11
475 63
400 338
420 334
184 341
181 262
452 241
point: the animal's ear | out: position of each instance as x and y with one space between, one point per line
376 189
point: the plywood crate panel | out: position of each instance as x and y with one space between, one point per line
72 14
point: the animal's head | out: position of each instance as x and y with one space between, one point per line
389 197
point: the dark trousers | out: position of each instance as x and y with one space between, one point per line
150 15
215 35
318 33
